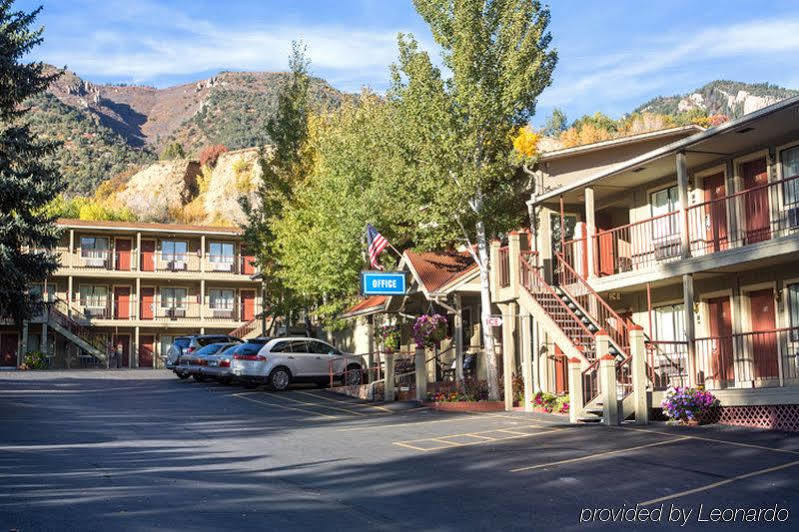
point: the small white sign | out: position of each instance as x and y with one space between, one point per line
494 321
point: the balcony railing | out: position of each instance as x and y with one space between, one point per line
504 267
107 260
757 214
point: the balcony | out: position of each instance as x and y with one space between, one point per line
156 262
752 216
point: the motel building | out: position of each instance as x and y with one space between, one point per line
675 267
138 285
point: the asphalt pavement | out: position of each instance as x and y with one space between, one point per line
142 450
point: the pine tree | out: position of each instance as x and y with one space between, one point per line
27 182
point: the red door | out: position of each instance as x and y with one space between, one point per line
147 302
764 344
124 341
756 207
247 266
721 354
8 348
123 254
715 213
561 375
146 346
605 253
147 255
121 302
247 305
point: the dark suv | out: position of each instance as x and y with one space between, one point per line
188 344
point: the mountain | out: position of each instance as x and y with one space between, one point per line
721 97
107 129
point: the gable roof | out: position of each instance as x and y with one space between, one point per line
436 269
368 305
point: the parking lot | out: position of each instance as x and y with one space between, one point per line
142 450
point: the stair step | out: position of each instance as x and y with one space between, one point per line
591 419
596 411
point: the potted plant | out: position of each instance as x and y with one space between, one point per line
391 336
688 406
429 330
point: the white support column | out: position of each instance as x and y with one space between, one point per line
575 390
602 343
389 382
514 252
638 353
690 333
370 331
527 361
508 352
607 380
202 254
535 351
71 257
138 252
69 296
137 310
682 187
135 353
421 375
732 215
458 338
590 230
24 345
45 346
202 299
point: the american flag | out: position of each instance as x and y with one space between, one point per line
375 243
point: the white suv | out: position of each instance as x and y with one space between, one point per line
282 361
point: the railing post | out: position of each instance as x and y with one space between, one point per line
638 353
590 231
575 389
494 271
508 352
690 334
527 362
388 394
514 254
421 374
607 380
682 188
601 343
458 338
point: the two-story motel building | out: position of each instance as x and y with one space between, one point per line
138 285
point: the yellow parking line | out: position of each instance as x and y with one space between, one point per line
391 425
516 432
470 434
409 443
285 406
716 440
596 455
320 396
720 483
282 396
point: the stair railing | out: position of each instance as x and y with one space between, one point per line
58 312
535 284
596 308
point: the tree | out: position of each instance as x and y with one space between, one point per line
285 165
556 124
498 52
210 154
27 183
173 150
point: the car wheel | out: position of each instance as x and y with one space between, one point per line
199 378
279 379
183 376
225 380
353 376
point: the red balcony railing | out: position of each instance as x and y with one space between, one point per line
637 245
667 363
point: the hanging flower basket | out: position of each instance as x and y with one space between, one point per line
391 336
429 330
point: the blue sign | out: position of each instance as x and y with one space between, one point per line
383 283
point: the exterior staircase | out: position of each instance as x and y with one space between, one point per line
251 329
572 313
59 318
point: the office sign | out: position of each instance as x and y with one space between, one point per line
375 283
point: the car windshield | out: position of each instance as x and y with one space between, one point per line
209 349
227 349
211 340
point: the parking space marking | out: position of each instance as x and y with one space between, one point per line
318 414
473 417
318 405
482 438
595 456
320 396
720 483
716 440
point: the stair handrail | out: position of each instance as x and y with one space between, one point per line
540 281
79 330
243 330
620 338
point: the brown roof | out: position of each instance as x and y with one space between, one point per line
71 222
366 304
439 268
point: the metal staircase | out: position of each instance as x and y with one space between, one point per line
59 318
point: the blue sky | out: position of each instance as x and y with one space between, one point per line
613 55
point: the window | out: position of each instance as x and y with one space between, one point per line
663 202
281 347
320 348
174 250
669 322
221 299
93 296
570 221
221 252
93 247
173 298
790 168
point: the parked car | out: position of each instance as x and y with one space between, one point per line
282 361
188 344
194 362
217 366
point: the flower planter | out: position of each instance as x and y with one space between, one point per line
461 406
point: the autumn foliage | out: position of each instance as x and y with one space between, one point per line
210 154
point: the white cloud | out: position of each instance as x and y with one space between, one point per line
657 63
